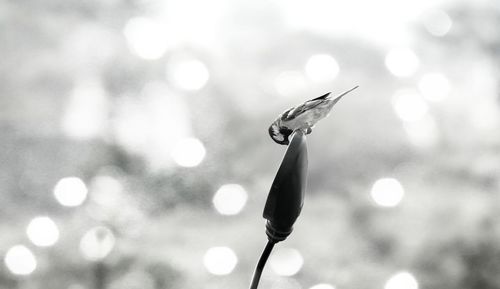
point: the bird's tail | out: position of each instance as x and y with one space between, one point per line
336 99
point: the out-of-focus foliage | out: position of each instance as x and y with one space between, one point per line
151 108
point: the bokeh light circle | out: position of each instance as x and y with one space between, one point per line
42 231
188 73
106 191
402 280
402 62
409 105
423 133
286 261
230 199
437 22
387 192
70 191
434 86
220 260
189 152
322 68
86 111
145 38
20 260
97 243
322 286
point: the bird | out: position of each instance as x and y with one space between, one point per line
303 117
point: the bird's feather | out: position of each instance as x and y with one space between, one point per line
296 111
303 117
321 97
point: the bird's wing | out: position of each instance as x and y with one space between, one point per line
284 115
321 97
293 112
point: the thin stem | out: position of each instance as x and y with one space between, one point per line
100 275
261 264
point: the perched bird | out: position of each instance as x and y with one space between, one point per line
302 117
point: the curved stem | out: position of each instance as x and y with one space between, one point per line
261 264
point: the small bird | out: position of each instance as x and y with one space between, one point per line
303 117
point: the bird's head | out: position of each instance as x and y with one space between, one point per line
279 135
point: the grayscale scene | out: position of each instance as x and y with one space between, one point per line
161 144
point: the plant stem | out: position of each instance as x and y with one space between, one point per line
261 264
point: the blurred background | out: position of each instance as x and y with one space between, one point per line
135 153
